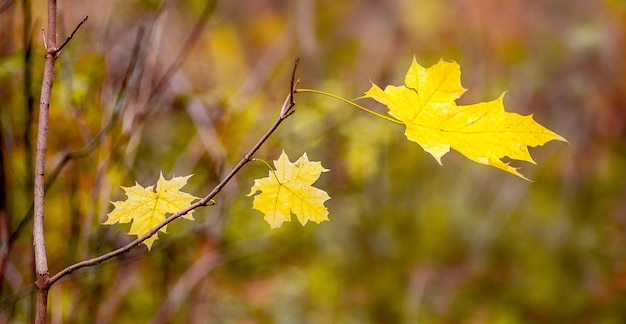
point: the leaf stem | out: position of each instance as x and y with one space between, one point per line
263 161
351 103
269 167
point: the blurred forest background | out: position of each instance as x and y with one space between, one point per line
186 86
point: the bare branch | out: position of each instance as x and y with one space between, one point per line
285 111
41 261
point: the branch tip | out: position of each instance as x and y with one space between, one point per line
57 52
43 37
290 102
294 82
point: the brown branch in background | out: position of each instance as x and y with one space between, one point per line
285 111
28 151
190 279
129 83
29 99
5 5
194 36
119 107
121 103
109 304
4 214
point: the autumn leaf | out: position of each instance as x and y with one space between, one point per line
483 132
148 207
288 190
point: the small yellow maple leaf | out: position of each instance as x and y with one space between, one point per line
148 207
288 190
483 132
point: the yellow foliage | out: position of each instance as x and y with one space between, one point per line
288 190
147 207
483 132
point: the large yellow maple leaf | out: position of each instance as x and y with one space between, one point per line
147 207
483 132
288 189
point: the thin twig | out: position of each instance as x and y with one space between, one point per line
285 111
69 38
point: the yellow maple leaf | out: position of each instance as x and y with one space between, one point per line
148 207
288 189
483 132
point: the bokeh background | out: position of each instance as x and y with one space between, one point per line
187 87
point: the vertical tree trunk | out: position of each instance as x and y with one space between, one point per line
41 260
